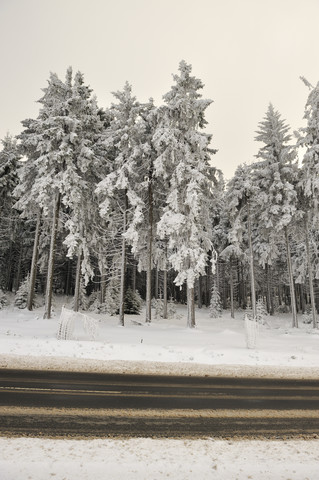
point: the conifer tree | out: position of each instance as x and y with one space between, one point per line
240 201
45 141
3 299
132 303
117 190
183 160
276 175
79 197
308 138
147 247
59 151
10 224
215 303
21 296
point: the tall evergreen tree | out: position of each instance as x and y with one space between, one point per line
240 200
148 248
117 190
308 138
276 174
10 225
79 197
183 160
58 150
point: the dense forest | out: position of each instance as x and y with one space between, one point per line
115 206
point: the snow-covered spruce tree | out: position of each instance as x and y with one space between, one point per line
215 308
78 190
3 299
240 201
228 254
117 190
132 302
231 254
58 151
261 310
308 138
146 245
306 261
21 296
27 203
10 224
82 298
45 142
183 161
275 175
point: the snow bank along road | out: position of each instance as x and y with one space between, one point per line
95 405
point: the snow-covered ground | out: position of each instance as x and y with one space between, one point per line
216 346
151 459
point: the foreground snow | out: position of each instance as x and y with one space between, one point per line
216 346
149 459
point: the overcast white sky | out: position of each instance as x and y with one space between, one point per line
247 52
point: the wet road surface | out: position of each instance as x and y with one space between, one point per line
62 404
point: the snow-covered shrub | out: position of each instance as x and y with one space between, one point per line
110 304
261 311
21 297
132 302
93 300
307 316
158 305
3 300
215 308
171 309
83 298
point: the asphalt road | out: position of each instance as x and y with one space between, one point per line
98 405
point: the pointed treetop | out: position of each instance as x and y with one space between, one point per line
68 76
273 132
305 81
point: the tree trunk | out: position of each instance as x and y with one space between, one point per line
77 288
123 264
49 286
303 298
156 282
252 274
190 307
200 289
68 277
103 279
208 279
310 274
231 284
291 283
270 302
17 276
34 263
134 276
9 282
165 294
148 318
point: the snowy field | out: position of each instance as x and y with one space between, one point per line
168 346
216 346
